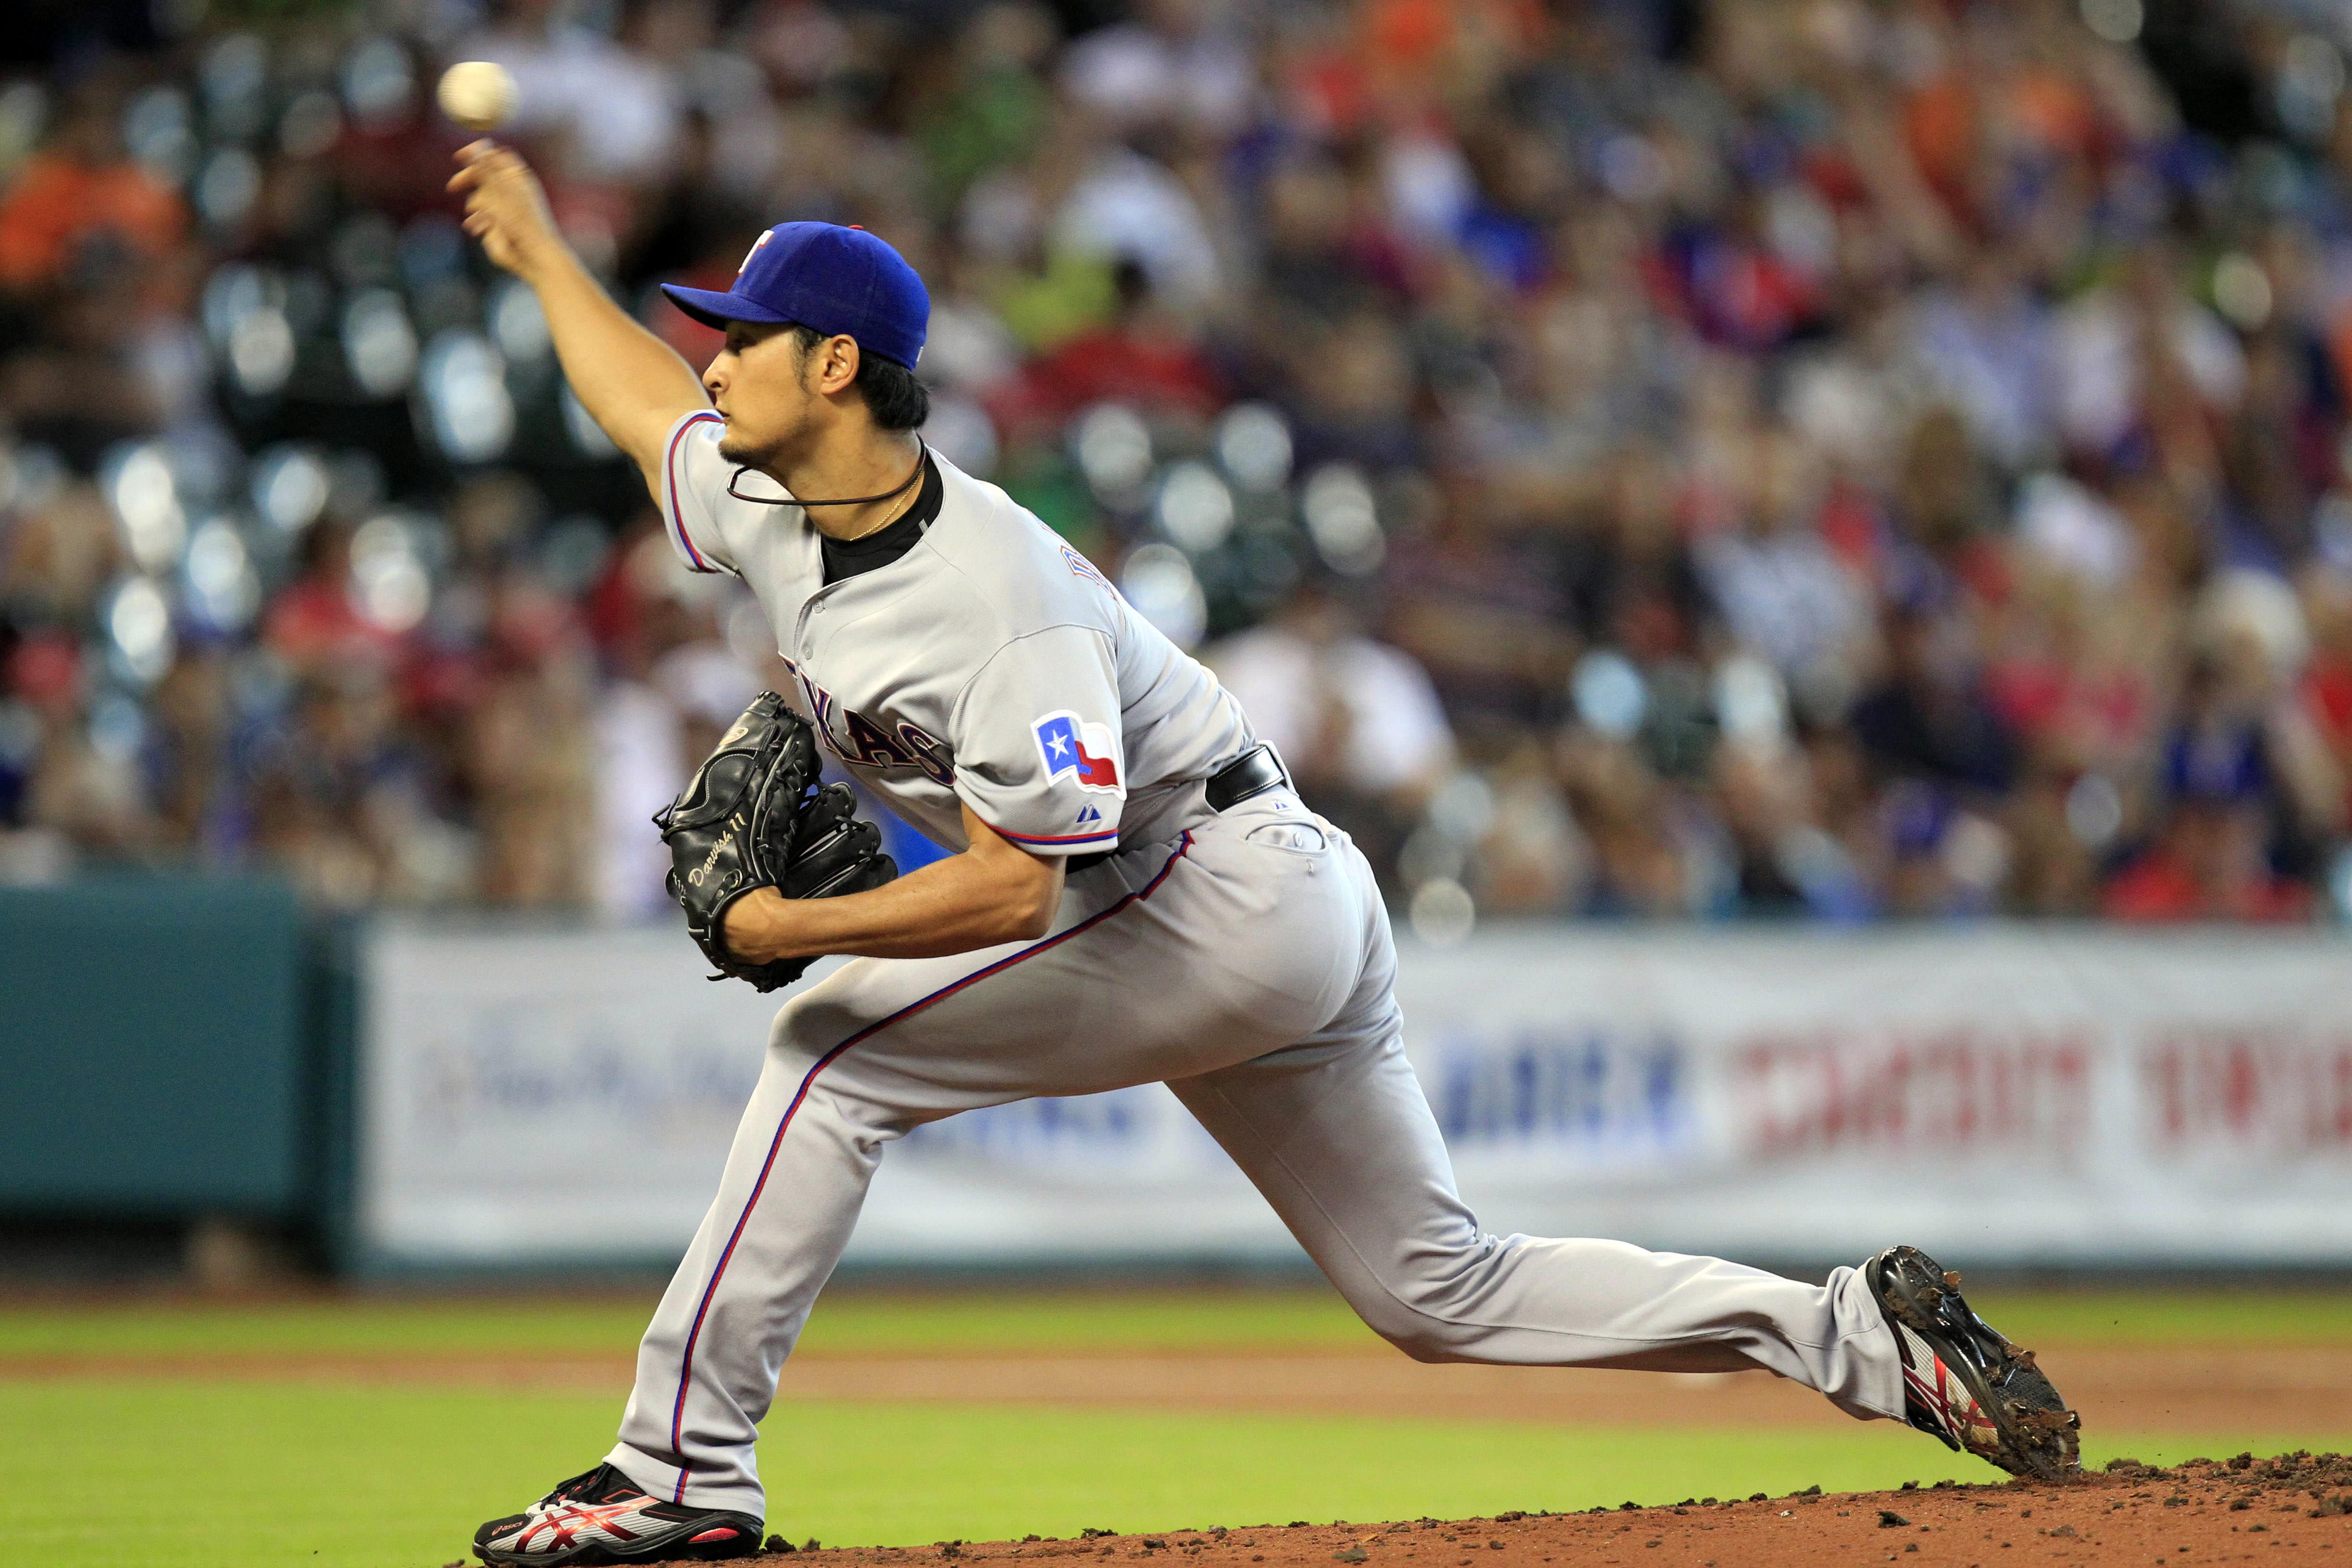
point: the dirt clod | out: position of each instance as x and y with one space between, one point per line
1890 1520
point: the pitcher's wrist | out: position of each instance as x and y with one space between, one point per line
757 927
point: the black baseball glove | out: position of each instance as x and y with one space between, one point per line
752 816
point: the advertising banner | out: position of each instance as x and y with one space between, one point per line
2010 1095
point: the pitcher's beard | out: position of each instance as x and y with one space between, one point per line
741 452
769 458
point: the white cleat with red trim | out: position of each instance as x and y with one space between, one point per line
603 1517
1962 1381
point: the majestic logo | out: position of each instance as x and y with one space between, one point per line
1070 745
1082 567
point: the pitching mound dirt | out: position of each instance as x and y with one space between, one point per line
2288 1509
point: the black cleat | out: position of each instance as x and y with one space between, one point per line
604 1517
1963 1382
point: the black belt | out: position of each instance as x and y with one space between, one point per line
1253 773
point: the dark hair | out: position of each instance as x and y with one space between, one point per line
895 399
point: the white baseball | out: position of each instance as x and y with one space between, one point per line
477 94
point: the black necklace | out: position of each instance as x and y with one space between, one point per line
922 456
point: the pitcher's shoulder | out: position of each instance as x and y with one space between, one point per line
1013 566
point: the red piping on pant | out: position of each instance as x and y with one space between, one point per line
686 1364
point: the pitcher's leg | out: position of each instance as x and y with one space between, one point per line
1337 1136
1119 994
707 1367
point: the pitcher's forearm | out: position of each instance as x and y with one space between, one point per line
631 383
954 905
994 892
628 380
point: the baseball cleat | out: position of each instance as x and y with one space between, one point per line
1962 1381
604 1517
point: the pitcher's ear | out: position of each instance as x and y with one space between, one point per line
838 372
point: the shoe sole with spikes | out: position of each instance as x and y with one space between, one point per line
1965 1381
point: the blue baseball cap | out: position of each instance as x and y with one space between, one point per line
825 276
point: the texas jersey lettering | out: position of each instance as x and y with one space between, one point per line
874 742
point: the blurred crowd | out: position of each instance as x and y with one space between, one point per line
1695 457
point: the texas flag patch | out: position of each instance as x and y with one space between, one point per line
1070 745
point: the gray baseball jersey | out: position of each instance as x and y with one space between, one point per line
1243 958
991 666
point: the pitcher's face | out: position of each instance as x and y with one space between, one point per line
763 384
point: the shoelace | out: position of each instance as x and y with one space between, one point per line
564 1497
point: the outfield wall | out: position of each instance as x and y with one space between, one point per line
158 1049
2010 1095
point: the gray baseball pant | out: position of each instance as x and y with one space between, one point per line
1249 967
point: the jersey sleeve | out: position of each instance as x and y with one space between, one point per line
1038 753
693 476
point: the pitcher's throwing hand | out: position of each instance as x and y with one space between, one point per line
506 208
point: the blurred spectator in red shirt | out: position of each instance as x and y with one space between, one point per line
1144 355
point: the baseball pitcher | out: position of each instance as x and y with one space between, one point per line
1137 896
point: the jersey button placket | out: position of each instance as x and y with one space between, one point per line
810 609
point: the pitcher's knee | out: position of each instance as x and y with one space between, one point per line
1432 1303
1413 1329
811 1023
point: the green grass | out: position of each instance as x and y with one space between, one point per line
1062 1322
845 1321
196 1470
195 1473
2152 1316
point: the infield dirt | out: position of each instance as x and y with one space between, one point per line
2290 1509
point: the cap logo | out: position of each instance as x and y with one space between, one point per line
765 235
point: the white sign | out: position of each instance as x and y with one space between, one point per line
544 1096
2010 1095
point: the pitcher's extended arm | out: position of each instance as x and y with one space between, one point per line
628 380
